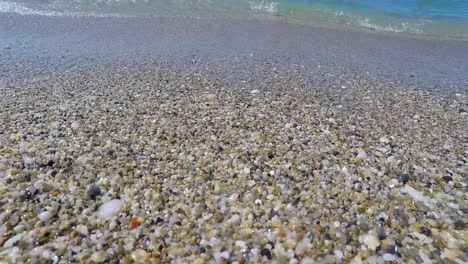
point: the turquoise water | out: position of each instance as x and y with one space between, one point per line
438 18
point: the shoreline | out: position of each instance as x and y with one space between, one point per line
431 64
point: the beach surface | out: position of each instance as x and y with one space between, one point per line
190 140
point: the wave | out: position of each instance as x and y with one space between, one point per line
18 8
302 12
403 27
264 6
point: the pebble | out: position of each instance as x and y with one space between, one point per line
44 216
447 179
75 125
139 255
27 195
416 195
338 254
404 178
393 183
381 232
426 231
371 242
361 154
221 255
266 253
82 229
389 257
110 208
93 191
98 257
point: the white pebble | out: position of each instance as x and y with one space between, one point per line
82 229
389 257
10 242
338 254
110 208
384 140
258 202
416 195
241 244
361 154
336 224
44 216
219 255
98 257
383 216
371 242
392 183
213 242
75 125
254 91
246 170
233 197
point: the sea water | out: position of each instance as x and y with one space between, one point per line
437 18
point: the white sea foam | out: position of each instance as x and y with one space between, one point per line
403 27
18 8
264 6
11 7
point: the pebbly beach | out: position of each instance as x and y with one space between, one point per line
164 140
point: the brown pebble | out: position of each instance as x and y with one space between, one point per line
44 231
281 233
219 218
222 261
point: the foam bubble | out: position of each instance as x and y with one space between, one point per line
18 8
264 6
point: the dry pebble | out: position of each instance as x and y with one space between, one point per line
187 165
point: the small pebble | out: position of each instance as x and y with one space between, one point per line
338 254
82 229
221 255
393 183
389 257
44 216
381 232
459 224
266 253
425 231
393 249
404 178
98 257
447 179
371 242
27 195
93 191
110 208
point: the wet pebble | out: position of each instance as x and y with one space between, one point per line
404 178
93 191
110 208
265 252
447 179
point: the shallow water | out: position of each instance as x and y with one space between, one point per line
437 18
